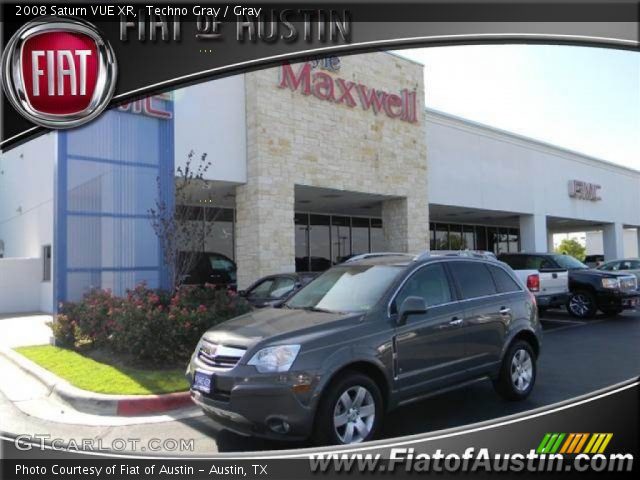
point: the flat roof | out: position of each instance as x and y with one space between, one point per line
524 138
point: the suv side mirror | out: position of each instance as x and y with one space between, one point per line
411 306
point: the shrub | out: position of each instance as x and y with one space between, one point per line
147 325
64 330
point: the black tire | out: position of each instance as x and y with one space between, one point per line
582 304
325 430
506 384
612 312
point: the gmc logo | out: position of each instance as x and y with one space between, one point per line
584 190
58 73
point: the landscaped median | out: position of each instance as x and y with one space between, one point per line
106 390
126 355
89 374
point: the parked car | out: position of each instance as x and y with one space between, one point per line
214 269
274 289
592 290
630 265
594 261
363 338
548 282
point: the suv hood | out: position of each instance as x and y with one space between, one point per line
591 273
273 323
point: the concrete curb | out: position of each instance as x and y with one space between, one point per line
98 403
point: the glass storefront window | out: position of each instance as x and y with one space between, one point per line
455 237
377 236
340 238
432 236
301 221
481 238
359 235
493 239
442 237
514 240
468 237
319 242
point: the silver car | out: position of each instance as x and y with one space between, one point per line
629 265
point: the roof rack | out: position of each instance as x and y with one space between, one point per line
376 254
486 255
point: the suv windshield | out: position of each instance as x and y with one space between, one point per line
354 288
568 262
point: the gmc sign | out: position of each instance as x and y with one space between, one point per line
584 191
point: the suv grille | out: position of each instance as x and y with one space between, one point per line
219 356
628 284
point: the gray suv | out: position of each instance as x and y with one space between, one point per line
365 337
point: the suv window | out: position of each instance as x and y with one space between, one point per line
429 282
504 282
473 279
528 262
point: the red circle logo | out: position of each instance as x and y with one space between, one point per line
59 73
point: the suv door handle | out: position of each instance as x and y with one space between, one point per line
455 322
505 311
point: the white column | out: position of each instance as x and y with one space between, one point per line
613 241
549 241
533 233
638 241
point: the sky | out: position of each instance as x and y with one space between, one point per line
581 98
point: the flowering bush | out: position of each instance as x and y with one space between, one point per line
148 325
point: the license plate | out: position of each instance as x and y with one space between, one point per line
202 382
632 302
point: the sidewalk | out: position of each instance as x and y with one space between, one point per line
23 329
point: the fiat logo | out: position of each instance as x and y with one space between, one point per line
58 73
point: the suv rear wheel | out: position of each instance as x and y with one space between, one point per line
518 372
582 305
349 412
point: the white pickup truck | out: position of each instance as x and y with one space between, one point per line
549 285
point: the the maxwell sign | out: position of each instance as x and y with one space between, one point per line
316 82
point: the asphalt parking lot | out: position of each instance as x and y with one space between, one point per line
577 357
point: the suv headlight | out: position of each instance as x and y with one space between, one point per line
610 283
275 359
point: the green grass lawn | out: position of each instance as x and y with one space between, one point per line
89 374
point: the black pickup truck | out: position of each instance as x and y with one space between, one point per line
592 290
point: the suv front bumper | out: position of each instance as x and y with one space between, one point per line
618 299
253 404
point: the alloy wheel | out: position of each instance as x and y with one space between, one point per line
354 415
580 305
521 370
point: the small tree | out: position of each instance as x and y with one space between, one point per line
572 247
181 234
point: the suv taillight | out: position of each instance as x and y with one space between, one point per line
533 282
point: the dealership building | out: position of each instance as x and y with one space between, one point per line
310 163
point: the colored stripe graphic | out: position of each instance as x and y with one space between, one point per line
550 443
574 443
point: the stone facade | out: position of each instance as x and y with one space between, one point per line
295 138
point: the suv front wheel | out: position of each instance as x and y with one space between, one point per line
582 304
518 372
349 412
